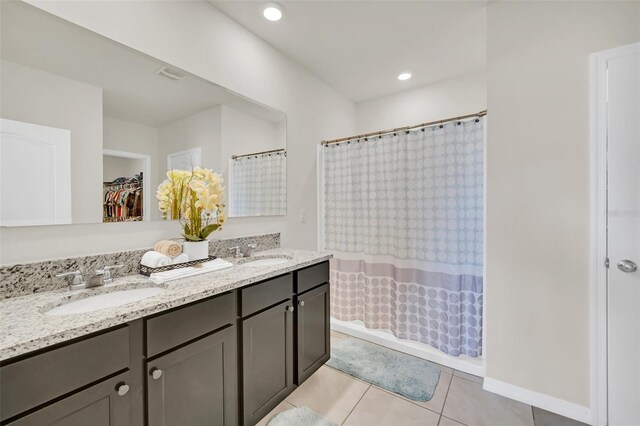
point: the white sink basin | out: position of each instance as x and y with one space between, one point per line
103 301
267 262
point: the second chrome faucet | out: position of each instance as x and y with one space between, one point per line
239 252
98 279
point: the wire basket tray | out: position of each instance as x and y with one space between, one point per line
145 270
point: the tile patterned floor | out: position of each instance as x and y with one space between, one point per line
459 400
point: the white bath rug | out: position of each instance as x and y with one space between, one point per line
299 416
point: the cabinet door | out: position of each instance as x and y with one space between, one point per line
107 403
195 385
267 358
313 331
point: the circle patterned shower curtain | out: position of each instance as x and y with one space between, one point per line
403 215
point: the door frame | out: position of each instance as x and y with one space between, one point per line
598 250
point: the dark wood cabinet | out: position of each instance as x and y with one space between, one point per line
311 277
312 331
195 384
30 382
107 403
168 330
268 359
225 360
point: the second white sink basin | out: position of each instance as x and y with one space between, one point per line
105 300
267 262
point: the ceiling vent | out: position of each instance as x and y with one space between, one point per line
169 73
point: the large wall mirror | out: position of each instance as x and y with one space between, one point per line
89 129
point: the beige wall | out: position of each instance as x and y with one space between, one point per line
115 167
38 97
197 37
121 135
243 134
537 258
200 130
450 98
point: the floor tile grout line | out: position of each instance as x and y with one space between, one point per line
356 404
446 396
405 398
457 421
348 375
462 377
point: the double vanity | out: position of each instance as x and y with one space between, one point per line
221 348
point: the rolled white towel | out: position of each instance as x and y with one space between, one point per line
181 258
154 259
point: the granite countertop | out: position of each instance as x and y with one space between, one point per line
25 328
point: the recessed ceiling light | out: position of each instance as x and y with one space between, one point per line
404 76
273 11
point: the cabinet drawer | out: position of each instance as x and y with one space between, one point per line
174 328
312 276
100 404
265 294
38 379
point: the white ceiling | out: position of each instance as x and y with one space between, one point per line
360 47
131 88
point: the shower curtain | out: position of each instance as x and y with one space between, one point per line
258 185
403 215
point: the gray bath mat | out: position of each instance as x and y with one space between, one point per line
299 416
394 371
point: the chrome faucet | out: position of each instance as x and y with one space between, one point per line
246 251
96 280
107 278
237 253
77 282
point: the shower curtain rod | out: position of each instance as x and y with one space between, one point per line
233 157
399 129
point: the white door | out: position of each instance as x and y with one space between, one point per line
188 159
35 174
623 173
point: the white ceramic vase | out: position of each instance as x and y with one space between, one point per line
196 250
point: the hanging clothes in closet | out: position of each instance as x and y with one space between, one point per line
122 199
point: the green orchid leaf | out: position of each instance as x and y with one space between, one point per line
190 237
207 230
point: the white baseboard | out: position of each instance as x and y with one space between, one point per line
540 400
420 350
